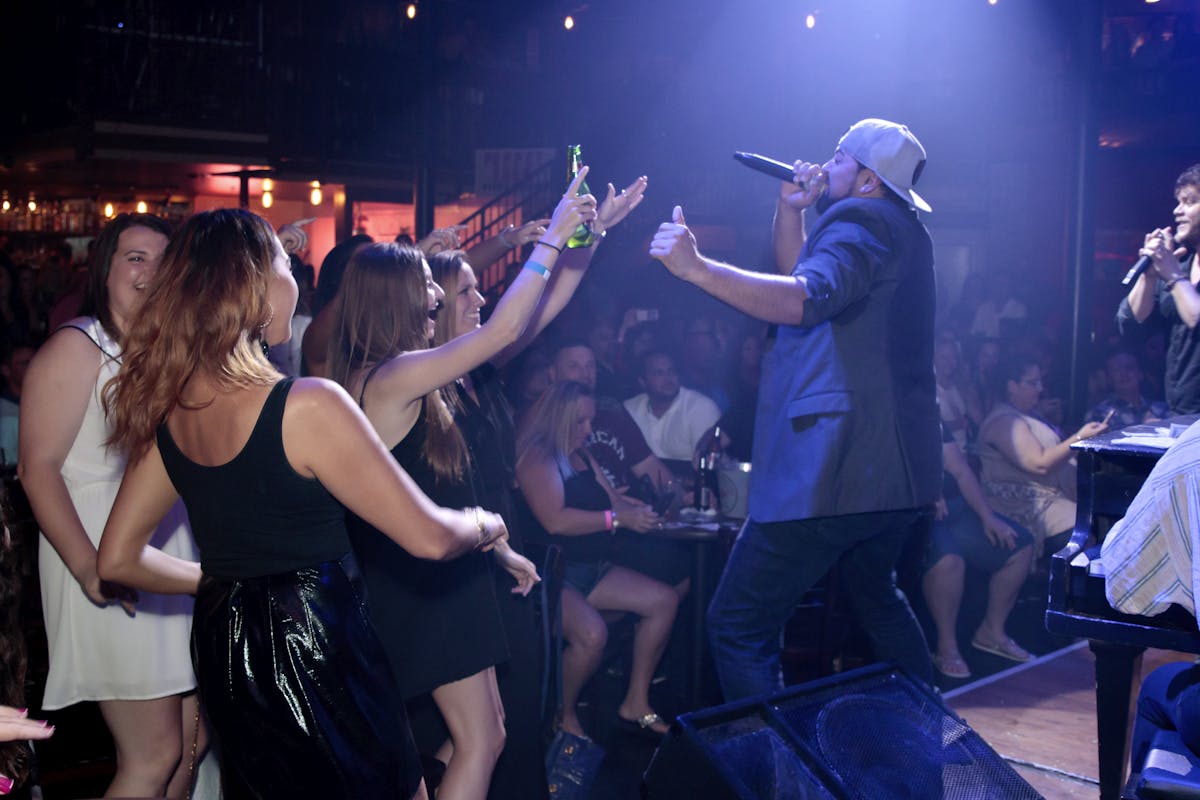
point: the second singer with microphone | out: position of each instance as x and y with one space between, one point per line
1169 285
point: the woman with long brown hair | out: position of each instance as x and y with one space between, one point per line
385 322
131 658
486 421
289 667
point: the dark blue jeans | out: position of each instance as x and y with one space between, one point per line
771 567
1168 700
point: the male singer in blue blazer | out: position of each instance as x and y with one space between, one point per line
847 453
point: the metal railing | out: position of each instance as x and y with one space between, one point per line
529 198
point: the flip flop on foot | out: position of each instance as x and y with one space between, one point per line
951 667
651 725
1006 648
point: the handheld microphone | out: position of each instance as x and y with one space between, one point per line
767 166
1135 272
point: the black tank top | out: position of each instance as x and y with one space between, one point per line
255 515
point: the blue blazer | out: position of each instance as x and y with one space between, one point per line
847 416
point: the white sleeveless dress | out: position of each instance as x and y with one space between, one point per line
101 653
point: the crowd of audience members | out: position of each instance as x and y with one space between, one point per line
612 406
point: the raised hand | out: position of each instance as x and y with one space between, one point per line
441 239
807 185
518 236
1159 247
675 246
617 206
293 237
572 211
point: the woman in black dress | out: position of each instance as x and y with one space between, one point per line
486 421
444 614
287 662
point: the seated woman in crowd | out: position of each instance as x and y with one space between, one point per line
561 484
266 466
967 532
1028 470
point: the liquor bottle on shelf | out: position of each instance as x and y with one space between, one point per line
583 236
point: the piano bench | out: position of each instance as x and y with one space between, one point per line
1171 771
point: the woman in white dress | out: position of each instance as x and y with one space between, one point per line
127 652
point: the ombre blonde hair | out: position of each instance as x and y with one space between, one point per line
204 312
380 312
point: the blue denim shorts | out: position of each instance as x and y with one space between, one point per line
582 576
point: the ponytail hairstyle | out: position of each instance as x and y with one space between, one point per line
96 300
381 312
204 312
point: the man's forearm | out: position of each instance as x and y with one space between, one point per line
771 298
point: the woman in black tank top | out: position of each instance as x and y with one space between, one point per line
440 623
562 486
287 661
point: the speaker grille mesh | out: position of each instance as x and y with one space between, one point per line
765 764
883 739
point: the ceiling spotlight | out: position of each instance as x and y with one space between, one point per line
142 208
109 211
411 11
810 21
568 22
315 195
31 205
5 206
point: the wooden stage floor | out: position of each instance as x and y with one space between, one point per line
1041 717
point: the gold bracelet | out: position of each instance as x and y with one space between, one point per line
479 524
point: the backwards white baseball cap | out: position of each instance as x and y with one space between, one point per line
891 151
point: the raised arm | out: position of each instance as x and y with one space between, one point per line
412 375
145 497
54 399
772 298
573 265
787 229
325 436
512 237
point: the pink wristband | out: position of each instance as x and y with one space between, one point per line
608 520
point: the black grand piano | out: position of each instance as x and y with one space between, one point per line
1110 474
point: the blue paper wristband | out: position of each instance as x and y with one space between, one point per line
540 269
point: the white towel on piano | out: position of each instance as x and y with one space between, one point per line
1147 556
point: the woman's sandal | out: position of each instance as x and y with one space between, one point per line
1005 649
952 667
643 725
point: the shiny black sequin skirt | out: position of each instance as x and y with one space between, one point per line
297 688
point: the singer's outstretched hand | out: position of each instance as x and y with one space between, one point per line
1160 248
675 246
805 188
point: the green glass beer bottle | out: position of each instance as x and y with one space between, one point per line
583 236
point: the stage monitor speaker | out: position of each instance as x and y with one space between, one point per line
870 734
